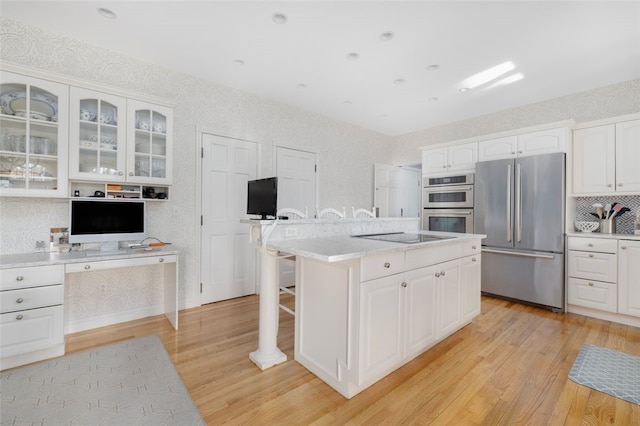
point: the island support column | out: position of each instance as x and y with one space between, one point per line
268 353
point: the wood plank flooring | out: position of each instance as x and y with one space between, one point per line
508 367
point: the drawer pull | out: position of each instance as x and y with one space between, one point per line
473 247
442 274
161 260
473 259
19 300
387 265
590 244
590 284
87 267
404 284
437 275
623 247
19 278
590 255
19 317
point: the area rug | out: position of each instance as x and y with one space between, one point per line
129 383
608 371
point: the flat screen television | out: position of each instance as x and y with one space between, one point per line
106 221
262 197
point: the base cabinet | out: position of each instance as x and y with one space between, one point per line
354 326
629 277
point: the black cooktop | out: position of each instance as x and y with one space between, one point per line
402 237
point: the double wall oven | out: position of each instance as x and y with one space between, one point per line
447 203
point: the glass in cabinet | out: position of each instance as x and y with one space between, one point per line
150 137
98 145
33 136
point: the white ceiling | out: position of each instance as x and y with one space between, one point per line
559 47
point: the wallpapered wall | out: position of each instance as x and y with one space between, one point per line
346 153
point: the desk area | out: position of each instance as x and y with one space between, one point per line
32 295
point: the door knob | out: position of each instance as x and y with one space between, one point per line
387 265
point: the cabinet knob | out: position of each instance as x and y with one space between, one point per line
437 275
442 274
130 173
609 185
162 260
513 153
404 284
19 317
120 173
87 267
444 167
19 278
449 165
473 247
590 244
473 259
590 255
619 184
19 300
623 247
590 284
519 152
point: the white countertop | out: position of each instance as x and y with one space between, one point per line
24 260
600 235
345 247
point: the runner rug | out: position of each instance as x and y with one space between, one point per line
608 371
128 383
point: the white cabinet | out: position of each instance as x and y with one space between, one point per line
470 286
419 310
114 139
449 306
33 136
629 277
541 142
605 159
31 314
454 158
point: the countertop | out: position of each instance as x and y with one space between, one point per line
600 235
345 247
24 260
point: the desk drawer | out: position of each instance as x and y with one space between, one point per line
593 266
31 330
31 277
119 263
381 265
30 298
602 245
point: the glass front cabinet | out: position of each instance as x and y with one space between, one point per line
33 136
97 136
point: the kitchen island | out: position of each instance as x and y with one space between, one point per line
366 307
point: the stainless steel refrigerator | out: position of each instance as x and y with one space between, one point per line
519 205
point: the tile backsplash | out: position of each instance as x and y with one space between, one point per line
584 208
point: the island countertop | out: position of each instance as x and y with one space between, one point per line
345 247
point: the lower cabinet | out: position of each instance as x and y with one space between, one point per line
353 326
629 277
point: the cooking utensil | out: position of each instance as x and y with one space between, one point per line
616 209
607 210
598 207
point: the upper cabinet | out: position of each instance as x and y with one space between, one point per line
33 136
606 158
541 142
454 158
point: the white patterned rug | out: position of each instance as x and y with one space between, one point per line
129 383
608 371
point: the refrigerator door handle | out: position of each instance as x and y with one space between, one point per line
515 253
518 203
509 203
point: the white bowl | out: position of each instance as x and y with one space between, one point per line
585 226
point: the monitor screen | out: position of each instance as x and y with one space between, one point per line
262 197
95 221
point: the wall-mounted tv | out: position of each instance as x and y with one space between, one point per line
262 197
106 221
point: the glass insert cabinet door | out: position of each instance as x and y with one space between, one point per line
33 136
98 145
151 128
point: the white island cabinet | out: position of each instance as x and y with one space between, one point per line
359 319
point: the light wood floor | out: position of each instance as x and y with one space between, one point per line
508 367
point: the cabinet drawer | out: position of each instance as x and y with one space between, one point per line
119 263
593 244
31 330
419 258
29 298
593 266
593 294
381 265
31 277
469 248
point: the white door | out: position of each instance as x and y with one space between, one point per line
396 191
296 171
628 156
228 259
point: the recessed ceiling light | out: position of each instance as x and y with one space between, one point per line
279 18
386 36
106 13
301 86
399 81
238 62
433 99
347 103
464 89
353 56
383 116
433 67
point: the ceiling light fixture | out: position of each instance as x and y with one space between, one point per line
279 18
353 56
301 86
507 80
383 116
106 13
464 89
488 75
387 36
399 81
433 67
238 62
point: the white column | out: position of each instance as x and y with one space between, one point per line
268 353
